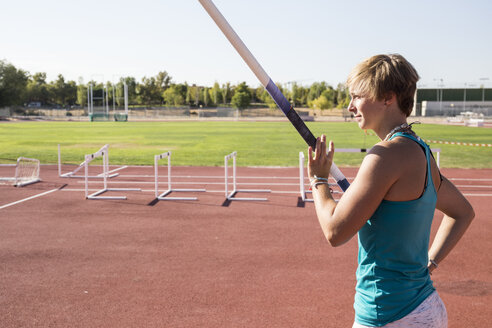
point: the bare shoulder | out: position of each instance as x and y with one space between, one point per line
395 156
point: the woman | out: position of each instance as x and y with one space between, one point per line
391 203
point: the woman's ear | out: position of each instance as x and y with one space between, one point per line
389 99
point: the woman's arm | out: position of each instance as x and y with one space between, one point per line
458 214
378 172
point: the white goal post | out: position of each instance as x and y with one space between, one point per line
169 190
26 172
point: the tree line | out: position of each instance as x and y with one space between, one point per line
20 88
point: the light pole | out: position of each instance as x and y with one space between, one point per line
464 99
483 87
439 92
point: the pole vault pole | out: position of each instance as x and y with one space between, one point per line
269 85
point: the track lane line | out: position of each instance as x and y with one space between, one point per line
29 198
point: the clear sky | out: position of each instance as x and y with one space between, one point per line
303 41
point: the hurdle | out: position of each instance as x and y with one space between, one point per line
103 152
230 196
302 189
72 174
169 190
26 172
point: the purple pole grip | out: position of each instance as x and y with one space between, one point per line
278 97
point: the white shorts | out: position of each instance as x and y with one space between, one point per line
431 313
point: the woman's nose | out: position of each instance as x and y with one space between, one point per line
351 107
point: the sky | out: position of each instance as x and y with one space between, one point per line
448 42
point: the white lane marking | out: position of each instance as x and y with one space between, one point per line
479 195
29 198
470 179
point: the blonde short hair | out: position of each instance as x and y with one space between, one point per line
381 75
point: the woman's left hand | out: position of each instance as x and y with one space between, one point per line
319 165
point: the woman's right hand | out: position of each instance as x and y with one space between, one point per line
319 165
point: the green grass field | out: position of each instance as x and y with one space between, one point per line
206 143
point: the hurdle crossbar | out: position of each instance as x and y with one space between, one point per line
169 190
302 188
231 195
103 152
72 174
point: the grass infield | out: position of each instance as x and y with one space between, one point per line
205 143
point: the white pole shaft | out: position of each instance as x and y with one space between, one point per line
236 42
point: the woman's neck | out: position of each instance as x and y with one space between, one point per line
388 126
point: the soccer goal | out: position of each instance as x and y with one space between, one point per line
103 154
26 172
120 102
169 190
97 103
231 195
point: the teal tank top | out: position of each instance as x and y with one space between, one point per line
392 275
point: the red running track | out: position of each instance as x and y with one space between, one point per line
70 262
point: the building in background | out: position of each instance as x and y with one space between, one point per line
452 102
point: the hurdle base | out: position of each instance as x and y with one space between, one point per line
97 193
22 184
99 176
167 192
231 196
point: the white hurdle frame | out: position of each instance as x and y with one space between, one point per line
88 158
162 196
230 196
302 189
72 174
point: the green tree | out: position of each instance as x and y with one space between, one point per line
163 80
242 97
13 84
148 92
205 96
175 95
343 96
216 94
131 84
226 91
37 89
81 93
63 93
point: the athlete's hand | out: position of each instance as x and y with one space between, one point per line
320 163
